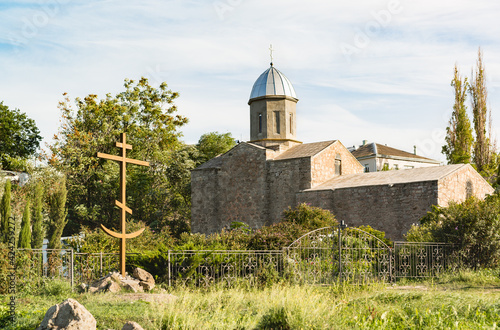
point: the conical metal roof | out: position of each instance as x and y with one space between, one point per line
272 82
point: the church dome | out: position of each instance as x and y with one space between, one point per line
272 82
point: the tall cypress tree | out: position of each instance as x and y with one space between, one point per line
5 211
25 234
459 139
57 215
37 240
479 94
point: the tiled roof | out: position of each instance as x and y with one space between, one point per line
305 150
431 173
370 149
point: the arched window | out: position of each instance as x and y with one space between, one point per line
260 123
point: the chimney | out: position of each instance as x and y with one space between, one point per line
414 150
364 142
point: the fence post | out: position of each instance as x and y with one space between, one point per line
100 264
71 271
342 225
169 273
390 265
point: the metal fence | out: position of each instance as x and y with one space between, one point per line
323 256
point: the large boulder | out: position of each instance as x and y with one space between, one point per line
68 315
130 325
147 280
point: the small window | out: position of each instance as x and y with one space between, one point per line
367 168
260 123
277 121
291 123
396 167
338 165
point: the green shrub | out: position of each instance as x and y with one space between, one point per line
309 217
472 226
276 236
377 233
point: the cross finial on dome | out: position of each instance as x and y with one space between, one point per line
271 53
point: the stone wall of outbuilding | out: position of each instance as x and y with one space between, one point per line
462 184
389 208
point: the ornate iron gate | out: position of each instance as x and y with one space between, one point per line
331 254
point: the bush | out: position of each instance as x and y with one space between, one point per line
277 236
309 217
473 226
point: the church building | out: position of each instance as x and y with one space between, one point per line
256 181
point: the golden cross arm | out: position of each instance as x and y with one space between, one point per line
121 159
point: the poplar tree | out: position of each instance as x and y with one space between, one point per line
5 211
37 239
57 215
479 94
459 139
25 234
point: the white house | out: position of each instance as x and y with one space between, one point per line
376 157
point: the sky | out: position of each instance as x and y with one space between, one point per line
375 70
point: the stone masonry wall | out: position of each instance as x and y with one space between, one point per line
238 191
204 200
285 179
392 209
462 184
323 164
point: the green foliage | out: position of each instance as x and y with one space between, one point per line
5 211
378 234
19 135
275 318
25 233
276 236
473 226
479 94
148 117
459 139
213 144
38 234
309 217
57 215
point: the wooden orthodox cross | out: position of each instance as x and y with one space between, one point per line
122 203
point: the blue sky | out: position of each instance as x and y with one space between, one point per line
373 70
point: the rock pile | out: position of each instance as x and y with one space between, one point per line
115 282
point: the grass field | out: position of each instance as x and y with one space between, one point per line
463 300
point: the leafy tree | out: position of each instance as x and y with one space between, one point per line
57 215
19 135
459 139
473 227
25 233
5 211
479 94
37 241
213 144
148 117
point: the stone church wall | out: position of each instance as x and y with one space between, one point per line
286 178
323 164
462 184
238 191
392 209
204 200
